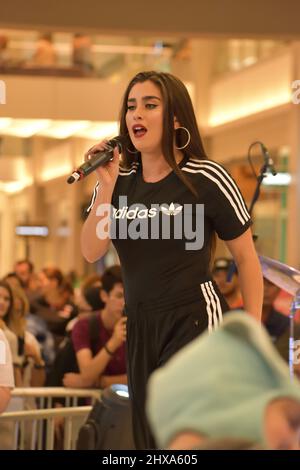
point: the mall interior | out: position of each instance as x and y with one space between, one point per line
63 69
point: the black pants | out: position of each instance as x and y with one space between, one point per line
156 331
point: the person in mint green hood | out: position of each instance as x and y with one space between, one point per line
228 386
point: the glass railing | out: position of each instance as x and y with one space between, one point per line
66 54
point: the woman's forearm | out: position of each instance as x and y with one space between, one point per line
251 284
4 398
94 247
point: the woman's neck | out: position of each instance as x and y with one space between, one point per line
156 167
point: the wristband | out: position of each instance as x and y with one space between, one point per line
108 351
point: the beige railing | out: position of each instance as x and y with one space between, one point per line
35 428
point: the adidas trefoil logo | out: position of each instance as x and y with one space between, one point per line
172 209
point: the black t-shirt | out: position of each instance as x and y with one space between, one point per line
162 231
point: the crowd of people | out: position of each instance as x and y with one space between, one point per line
58 334
166 300
45 55
41 313
275 313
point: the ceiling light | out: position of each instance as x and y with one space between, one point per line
32 230
99 131
26 127
64 129
4 123
58 129
56 172
12 187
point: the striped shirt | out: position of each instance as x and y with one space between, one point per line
153 226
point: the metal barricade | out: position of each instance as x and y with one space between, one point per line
41 421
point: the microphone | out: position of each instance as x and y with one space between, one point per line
97 159
268 160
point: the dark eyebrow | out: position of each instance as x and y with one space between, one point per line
145 98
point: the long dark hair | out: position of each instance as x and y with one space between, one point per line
9 312
177 103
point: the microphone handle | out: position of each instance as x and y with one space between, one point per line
98 159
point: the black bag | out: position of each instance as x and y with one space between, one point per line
66 360
108 426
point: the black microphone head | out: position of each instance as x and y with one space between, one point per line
97 158
264 149
268 159
71 179
118 140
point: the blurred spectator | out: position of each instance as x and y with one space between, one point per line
6 311
6 372
93 280
38 328
6 384
13 280
33 367
55 305
73 279
82 52
27 360
230 290
104 364
45 55
283 304
28 364
4 53
93 297
24 269
242 391
277 324
87 298
50 278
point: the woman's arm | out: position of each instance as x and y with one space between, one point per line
95 238
249 271
93 247
4 398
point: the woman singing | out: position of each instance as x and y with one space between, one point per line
168 201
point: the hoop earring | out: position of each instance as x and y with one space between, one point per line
188 139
